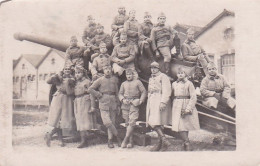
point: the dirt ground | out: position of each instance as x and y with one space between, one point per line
29 128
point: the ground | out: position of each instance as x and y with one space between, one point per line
29 128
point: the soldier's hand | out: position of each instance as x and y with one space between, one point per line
217 96
125 101
121 62
162 106
157 54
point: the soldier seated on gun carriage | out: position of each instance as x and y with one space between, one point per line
118 22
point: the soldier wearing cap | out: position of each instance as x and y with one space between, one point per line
158 105
123 56
90 31
74 54
162 40
131 28
100 37
132 94
144 33
215 89
191 51
106 90
119 20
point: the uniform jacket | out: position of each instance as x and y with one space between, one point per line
99 62
74 56
124 52
144 30
106 38
119 20
89 33
161 36
159 91
131 29
190 50
106 85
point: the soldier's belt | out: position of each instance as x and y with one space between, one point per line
81 95
131 97
181 97
63 92
154 91
109 93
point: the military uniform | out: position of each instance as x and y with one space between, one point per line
216 84
118 23
144 42
74 56
191 51
134 92
131 29
98 64
89 33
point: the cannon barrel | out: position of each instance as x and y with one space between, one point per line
56 44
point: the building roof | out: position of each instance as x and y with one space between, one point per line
214 21
36 60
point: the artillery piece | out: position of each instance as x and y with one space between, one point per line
210 119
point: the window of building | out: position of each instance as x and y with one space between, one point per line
40 77
52 61
229 33
33 78
29 77
45 76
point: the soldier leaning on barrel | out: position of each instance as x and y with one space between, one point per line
106 90
94 43
144 33
61 108
74 54
158 105
132 94
214 89
191 51
85 118
118 22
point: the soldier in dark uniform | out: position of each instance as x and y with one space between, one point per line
100 37
74 54
162 41
119 20
144 33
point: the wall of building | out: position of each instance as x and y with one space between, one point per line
25 80
53 64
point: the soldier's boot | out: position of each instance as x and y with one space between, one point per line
110 143
187 146
131 142
124 143
59 132
165 144
83 140
157 146
47 139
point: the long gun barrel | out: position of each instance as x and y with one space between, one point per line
58 45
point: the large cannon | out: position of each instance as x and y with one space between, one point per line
211 120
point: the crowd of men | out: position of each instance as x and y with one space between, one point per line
113 56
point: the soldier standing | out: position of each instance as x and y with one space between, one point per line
123 56
158 105
99 37
118 22
191 51
74 54
214 89
106 90
162 41
144 33
132 94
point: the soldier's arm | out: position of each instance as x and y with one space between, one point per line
166 89
143 91
193 97
114 26
186 55
227 89
128 31
204 89
131 56
114 55
121 92
153 39
93 89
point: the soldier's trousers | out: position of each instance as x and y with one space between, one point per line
204 60
109 119
166 53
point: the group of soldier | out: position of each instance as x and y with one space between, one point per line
116 55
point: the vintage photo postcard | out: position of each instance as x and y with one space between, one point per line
129 82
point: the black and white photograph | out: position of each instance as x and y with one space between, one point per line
123 78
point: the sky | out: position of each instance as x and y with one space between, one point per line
60 19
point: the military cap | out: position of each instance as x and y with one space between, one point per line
147 14
73 38
132 11
155 65
190 30
102 45
123 34
99 25
129 71
211 65
90 17
161 15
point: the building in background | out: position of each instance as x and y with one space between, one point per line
30 73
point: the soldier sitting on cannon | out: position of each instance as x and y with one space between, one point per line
90 31
118 22
191 51
94 43
74 54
